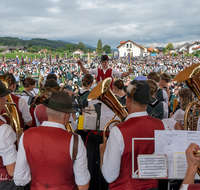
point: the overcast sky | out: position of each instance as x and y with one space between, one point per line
154 22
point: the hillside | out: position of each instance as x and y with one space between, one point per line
14 41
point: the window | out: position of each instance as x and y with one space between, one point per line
130 45
124 54
126 45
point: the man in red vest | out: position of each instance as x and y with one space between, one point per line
21 104
193 163
116 155
104 71
49 155
8 153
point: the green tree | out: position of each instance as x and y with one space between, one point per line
169 46
99 47
1 49
164 50
82 47
107 49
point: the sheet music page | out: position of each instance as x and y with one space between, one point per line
180 165
152 166
90 119
193 137
168 142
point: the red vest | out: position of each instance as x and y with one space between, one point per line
4 176
194 187
41 114
136 127
101 76
47 151
16 101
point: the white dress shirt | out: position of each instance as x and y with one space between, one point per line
24 109
114 150
22 174
185 187
7 147
113 74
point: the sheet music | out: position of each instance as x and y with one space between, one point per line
152 166
180 165
169 142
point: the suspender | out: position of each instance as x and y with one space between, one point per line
75 148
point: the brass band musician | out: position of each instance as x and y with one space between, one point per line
8 153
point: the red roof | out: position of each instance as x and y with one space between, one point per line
196 47
151 49
123 42
192 44
78 50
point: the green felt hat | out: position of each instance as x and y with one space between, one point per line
60 101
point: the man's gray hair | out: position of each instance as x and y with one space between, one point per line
53 114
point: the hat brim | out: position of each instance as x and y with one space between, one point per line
5 93
149 101
45 103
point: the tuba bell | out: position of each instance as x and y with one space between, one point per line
11 111
103 93
191 76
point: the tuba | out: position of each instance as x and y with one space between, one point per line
191 76
11 111
103 93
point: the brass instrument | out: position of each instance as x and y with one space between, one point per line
69 127
191 76
11 110
103 93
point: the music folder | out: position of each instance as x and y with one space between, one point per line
152 166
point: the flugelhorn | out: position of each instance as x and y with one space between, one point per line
103 93
191 76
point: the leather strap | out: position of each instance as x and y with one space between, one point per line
75 148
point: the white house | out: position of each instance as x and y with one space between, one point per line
128 46
78 52
181 48
192 47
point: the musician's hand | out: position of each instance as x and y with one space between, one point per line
193 162
102 146
178 126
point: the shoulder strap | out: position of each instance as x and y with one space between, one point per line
75 148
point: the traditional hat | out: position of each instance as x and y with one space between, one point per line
142 92
60 101
104 58
3 90
51 83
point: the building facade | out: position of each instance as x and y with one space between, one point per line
128 46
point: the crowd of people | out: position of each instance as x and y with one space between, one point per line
50 157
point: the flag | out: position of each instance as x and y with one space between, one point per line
22 59
17 60
129 58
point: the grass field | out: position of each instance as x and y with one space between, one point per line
37 55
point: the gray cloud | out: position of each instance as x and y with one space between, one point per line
145 22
